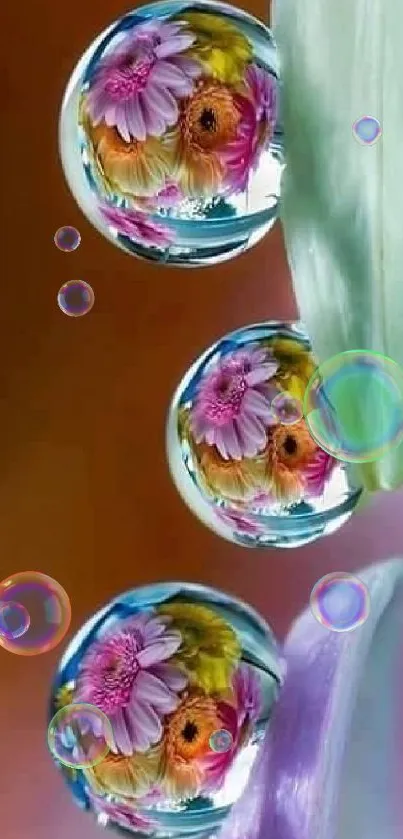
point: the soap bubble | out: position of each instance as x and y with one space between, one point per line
340 602
367 130
187 169
188 677
286 409
47 606
221 741
245 473
67 239
79 736
353 406
76 298
14 620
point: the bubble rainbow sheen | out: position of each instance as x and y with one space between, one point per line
367 130
221 741
79 735
75 298
14 620
353 406
47 605
340 602
286 408
67 238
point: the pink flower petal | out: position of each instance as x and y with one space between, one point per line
148 689
163 101
189 66
176 44
136 119
167 74
262 373
159 650
169 675
257 404
145 724
121 734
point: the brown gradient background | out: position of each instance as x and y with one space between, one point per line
85 494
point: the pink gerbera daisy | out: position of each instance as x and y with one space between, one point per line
232 407
237 722
136 87
126 675
317 473
257 116
137 226
262 90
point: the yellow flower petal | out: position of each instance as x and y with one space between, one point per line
64 696
210 647
128 776
220 46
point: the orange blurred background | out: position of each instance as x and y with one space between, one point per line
85 494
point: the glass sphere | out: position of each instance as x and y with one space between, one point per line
245 470
169 132
187 677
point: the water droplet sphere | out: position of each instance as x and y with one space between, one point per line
14 620
367 130
188 677
340 602
76 298
45 602
79 736
244 469
67 239
170 137
353 405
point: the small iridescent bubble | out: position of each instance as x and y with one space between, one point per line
67 239
286 408
76 298
79 736
367 130
340 602
14 620
44 601
221 741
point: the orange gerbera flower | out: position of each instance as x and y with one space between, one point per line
289 450
235 480
186 743
208 122
139 168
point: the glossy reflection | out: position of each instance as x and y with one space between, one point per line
175 668
170 137
248 475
